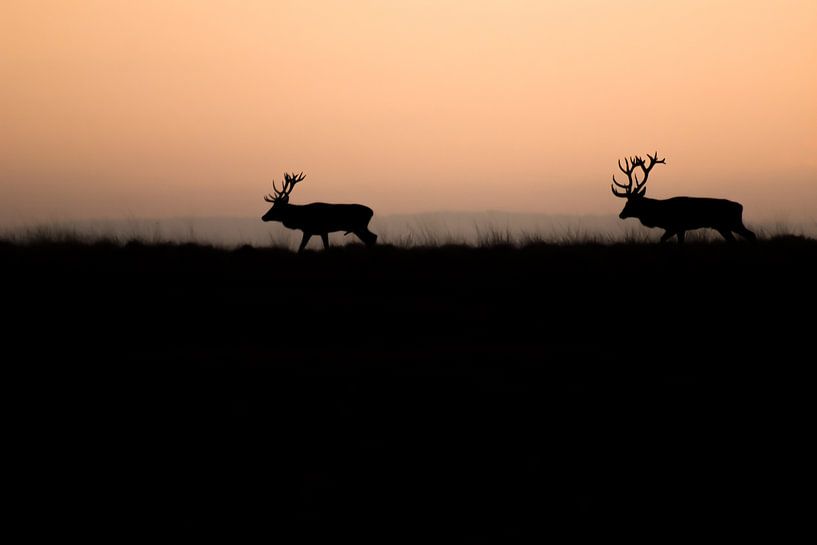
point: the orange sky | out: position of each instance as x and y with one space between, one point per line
117 109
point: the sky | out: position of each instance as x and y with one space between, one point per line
171 108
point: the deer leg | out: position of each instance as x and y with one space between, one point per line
304 240
667 235
745 233
325 239
681 235
366 236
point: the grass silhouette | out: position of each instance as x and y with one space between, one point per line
473 392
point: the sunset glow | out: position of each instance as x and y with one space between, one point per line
169 108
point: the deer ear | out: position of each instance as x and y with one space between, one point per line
284 199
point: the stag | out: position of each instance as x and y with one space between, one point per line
678 214
318 218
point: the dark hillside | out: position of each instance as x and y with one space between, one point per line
402 393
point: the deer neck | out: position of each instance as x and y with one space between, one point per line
290 216
649 211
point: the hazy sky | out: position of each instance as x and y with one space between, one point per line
130 108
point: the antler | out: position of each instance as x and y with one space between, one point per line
629 169
289 182
273 198
654 160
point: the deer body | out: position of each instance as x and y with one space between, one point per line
318 218
678 214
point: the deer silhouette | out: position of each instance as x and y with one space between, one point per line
678 214
318 218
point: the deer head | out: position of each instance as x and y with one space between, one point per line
634 194
280 199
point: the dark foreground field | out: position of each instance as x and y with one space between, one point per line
449 393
